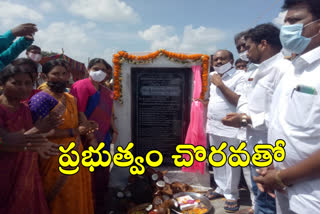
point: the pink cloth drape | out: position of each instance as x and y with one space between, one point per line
195 134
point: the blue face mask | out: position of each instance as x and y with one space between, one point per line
292 40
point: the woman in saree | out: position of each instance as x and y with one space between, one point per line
95 103
65 193
20 181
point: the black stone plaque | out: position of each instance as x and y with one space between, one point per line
160 109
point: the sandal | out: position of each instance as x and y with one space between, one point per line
212 195
231 206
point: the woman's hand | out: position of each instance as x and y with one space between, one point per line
51 121
33 142
48 149
15 138
89 127
93 124
92 140
50 133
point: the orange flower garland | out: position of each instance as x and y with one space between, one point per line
123 56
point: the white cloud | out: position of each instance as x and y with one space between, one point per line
194 40
76 40
90 25
46 6
279 20
200 39
157 32
160 37
103 10
69 36
108 54
12 14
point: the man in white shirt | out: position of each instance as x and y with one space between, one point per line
225 89
240 43
263 46
295 115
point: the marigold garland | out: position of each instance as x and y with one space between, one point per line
123 56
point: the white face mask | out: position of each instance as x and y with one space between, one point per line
244 56
35 57
223 68
97 76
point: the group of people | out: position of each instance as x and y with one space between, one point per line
39 113
260 98
264 98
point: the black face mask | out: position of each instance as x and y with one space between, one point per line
57 87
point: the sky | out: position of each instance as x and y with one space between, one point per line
99 28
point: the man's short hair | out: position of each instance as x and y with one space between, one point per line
239 36
267 32
313 5
33 47
240 61
229 53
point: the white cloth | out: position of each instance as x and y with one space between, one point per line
295 118
226 177
247 177
282 203
242 102
40 79
257 100
219 106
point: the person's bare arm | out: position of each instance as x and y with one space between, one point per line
63 133
82 118
28 141
308 168
277 179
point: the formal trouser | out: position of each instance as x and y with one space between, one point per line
226 177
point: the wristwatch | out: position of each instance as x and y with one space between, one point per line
244 120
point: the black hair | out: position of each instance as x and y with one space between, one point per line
12 70
238 36
267 32
240 61
99 60
313 6
229 53
26 61
48 66
33 47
